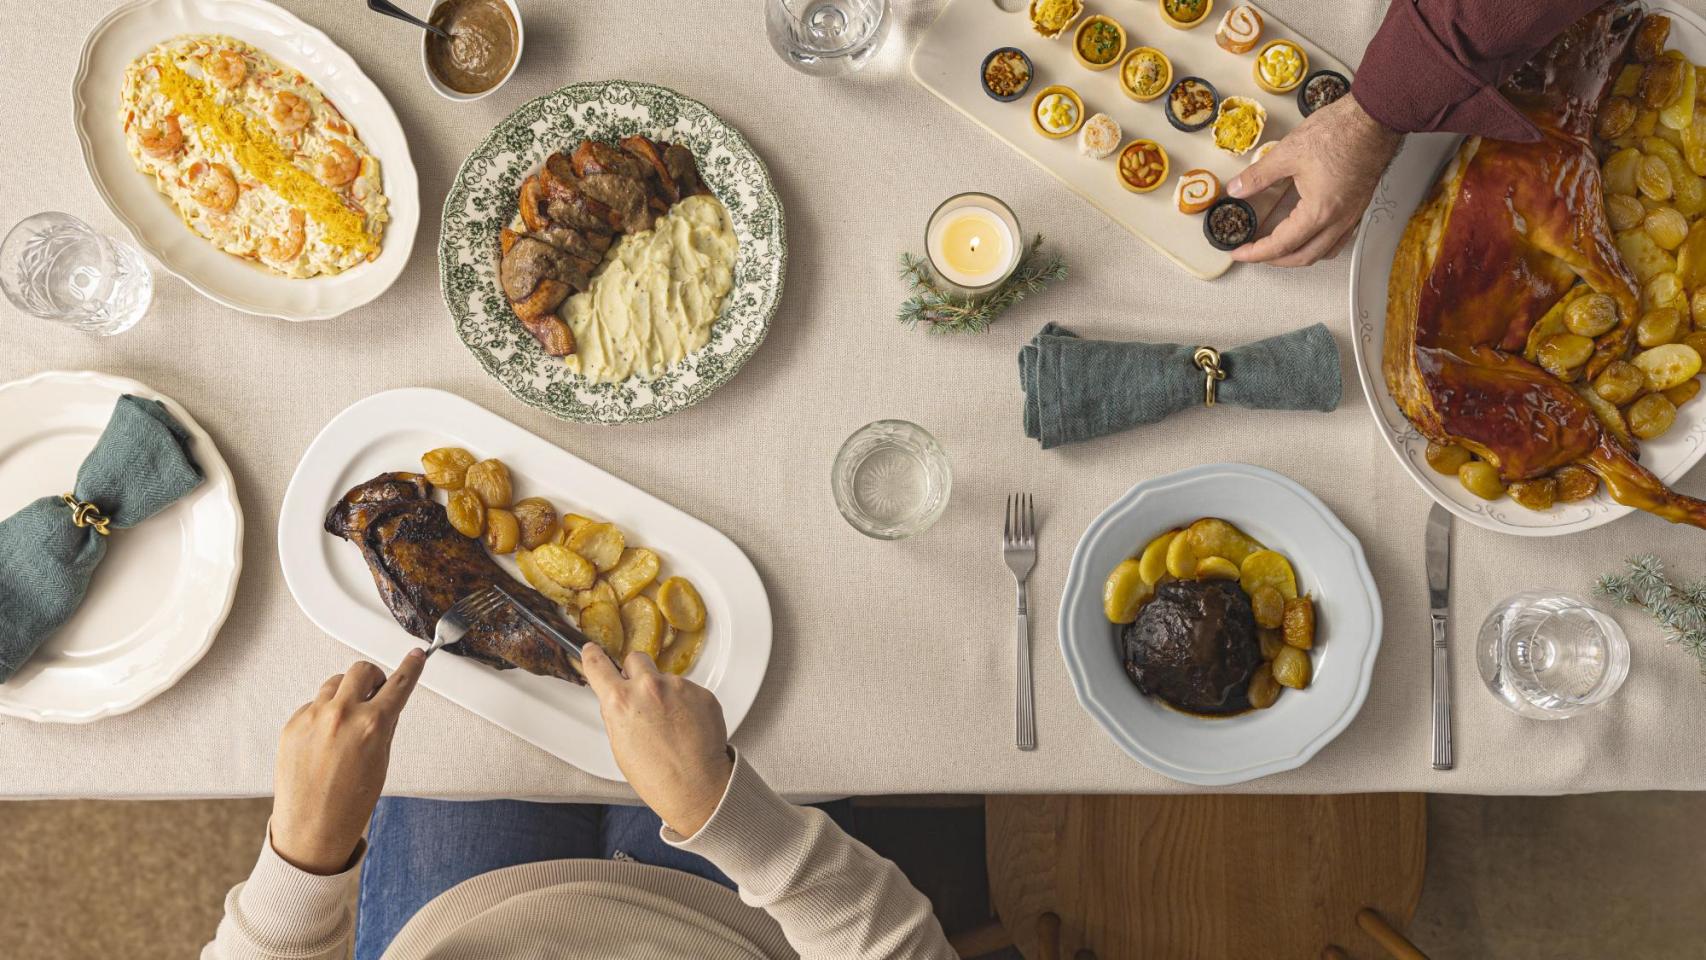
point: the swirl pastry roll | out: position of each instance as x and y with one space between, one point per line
1239 30
1197 191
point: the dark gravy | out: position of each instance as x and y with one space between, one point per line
482 48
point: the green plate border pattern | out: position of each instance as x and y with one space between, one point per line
482 200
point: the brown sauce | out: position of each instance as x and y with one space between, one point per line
482 48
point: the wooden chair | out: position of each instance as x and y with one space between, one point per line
1208 876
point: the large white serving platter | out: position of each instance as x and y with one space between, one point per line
1330 566
389 431
1406 184
133 29
949 58
165 586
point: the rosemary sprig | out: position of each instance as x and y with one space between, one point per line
1681 611
941 311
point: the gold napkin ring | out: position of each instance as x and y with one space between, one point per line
86 514
1208 360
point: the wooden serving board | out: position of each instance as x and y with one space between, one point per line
948 62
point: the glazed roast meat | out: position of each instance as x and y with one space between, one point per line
572 211
1507 230
1194 645
422 566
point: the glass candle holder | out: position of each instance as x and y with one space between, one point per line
974 243
891 480
1551 655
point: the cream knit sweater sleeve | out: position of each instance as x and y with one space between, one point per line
285 913
833 897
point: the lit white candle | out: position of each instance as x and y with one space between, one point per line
973 241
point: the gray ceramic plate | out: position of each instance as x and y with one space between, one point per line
482 201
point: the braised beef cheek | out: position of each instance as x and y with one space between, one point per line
1194 646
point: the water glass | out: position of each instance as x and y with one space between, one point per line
54 266
826 37
891 480
1551 655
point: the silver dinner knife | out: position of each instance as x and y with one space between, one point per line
1439 609
568 637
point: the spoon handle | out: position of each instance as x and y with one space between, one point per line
392 10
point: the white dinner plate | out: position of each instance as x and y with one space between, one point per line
388 432
165 586
949 58
1407 182
133 29
1330 567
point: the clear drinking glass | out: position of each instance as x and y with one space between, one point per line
1551 655
54 266
826 37
891 480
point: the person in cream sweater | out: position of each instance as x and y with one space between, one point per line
800 885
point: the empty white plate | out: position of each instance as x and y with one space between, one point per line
166 585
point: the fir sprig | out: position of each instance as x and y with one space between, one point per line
1680 610
941 311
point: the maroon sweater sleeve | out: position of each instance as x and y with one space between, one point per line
1437 64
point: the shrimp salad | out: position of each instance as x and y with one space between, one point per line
253 156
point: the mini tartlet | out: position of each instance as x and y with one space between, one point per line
1321 88
1185 14
1280 66
1098 42
1229 224
1057 112
1191 103
1197 191
1239 29
1142 166
1006 74
1145 74
1239 124
1099 137
1050 18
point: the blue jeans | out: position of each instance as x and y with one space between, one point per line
417 849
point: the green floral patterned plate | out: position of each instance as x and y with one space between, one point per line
482 201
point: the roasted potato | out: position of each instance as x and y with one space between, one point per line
1653 178
571 523
1575 483
1216 568
1661 82
1447 458
633 573
538 520
1263 688
1620 382
1266 568
1618 172
1659 326
1663 290
564 566
681 605
503 533
1125 592
1271 640
489 480
1666 226
1616 117
1268 606
1650 38
599 592
466 513
602 543
601 621
1565 354
1643 256
1216 538
536 578
1292 668
1537 494
680 650
1678 112
1623 212
1591 315
1299 626
1651 416
1152 566
1480 478
1668 365
446 467
1182 557
1683 392
642 627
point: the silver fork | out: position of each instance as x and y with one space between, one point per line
1019 549
463 615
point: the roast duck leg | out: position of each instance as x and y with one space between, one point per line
1508 229
422 566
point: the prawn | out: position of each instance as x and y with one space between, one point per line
226 68
286 246
213 186
338 165
290 113
164 140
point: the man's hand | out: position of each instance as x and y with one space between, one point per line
331 764
1335 159
668 736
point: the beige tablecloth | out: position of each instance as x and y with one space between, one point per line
892 669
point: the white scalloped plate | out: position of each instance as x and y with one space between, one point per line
1330 566
166 585
1406 183
389 431
132 29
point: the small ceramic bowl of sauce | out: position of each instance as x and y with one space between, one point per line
483 53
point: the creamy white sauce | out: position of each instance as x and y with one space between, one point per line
656 296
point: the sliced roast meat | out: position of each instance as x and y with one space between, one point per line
683 170
625 195
530 261
584 244
647 151
568 204
596 156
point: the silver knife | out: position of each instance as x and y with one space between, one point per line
1439 609
572 640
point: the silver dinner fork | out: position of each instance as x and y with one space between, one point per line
463 615
1019 549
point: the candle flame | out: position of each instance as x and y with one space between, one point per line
974 242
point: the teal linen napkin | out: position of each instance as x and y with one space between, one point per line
140 466
1078 389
